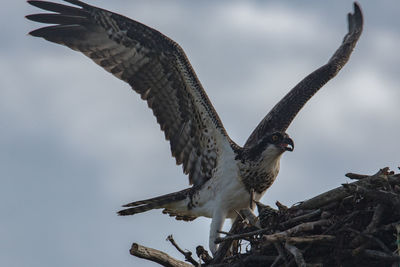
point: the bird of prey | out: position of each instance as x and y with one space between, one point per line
225 177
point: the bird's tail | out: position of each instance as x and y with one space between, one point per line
155 203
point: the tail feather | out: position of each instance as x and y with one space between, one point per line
154 203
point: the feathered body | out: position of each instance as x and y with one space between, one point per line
224 176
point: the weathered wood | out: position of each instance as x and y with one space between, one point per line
157 256
187 254
281 236
298 256
341 192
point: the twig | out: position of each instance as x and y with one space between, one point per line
298 256
156 256
382 256
301 218
355 176
374 223
328 197
276 261
390 226
398 238
308 226
187 254
310 239
388 198
280 206
282 255
370 237
203 254
376 219
379 242
251 217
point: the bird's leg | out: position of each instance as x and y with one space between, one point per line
251 198
216 226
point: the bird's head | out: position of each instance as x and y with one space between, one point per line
271 146
276 143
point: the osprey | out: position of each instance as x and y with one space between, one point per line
225 177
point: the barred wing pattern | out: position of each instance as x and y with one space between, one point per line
155 66
283 113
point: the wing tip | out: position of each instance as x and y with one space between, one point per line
36 33
33 2
123 213
34 17
355 19
42 32
357 7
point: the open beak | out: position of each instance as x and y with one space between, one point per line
287 144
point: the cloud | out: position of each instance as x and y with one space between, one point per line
273 21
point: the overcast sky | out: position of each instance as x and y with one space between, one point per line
76 143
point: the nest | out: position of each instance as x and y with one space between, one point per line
357 224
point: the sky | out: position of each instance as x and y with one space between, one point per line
76 143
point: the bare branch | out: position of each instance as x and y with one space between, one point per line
339 193
203 254
281 236
187 254
382 256
303 217
310 239
156 256
298 256
355 176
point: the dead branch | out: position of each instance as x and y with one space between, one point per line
339 193
203 254
310 239
157 256
187 254
281 236
355 176
298 256
381 256
303 217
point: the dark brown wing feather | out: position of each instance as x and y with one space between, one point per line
156 68
283 113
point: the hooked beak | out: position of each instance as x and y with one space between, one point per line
287 144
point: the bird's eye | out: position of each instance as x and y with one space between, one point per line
275 138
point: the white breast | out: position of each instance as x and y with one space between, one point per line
224 191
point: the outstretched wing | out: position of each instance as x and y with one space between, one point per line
283 113
155 66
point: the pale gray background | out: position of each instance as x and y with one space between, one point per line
76 143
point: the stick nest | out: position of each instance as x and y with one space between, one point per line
357 224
